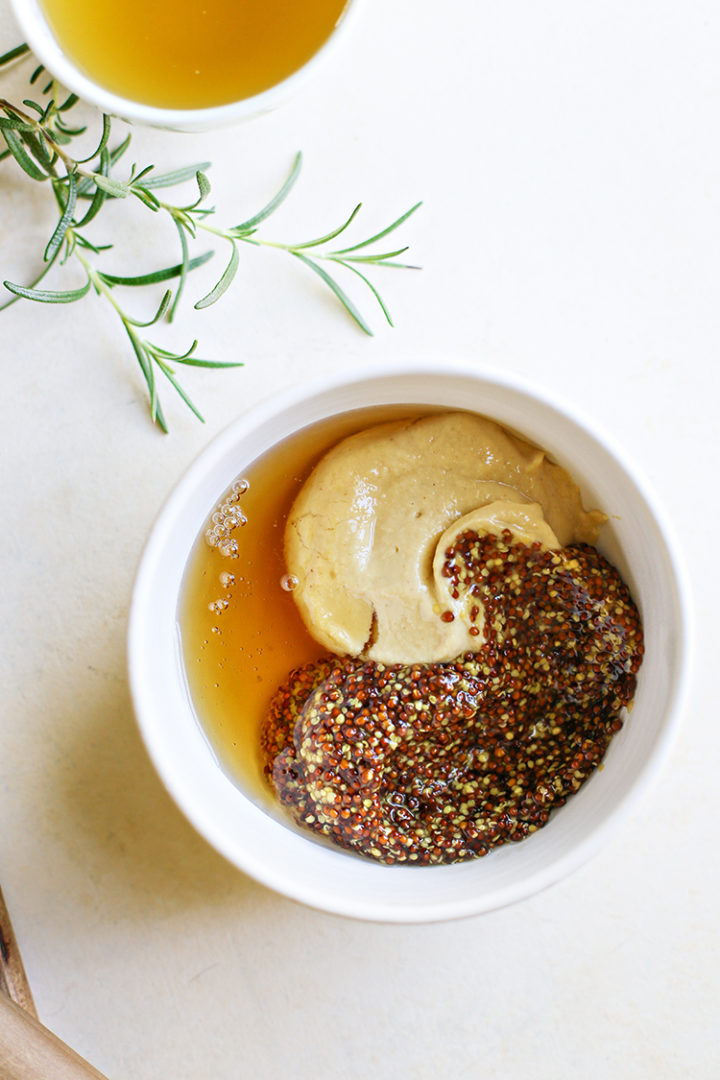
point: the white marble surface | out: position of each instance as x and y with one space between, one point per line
568 157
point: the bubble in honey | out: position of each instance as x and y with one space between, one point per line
227 517
289 582
218 606
226 579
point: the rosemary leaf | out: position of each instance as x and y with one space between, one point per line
177 357
276 200
194 361
18 151
99 197
204 190
339 292
146 197
378 236
177 176
119 150
110 186
184 266
62 226
107 127
156 276
168 373
146 366
373 290
67 130
83 242
135 178
36 145
8 57
380 259
34 106
328 236
223 283
46 269
68 103
14 123
46 296
203 184
159 313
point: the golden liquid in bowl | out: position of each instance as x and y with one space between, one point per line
191 54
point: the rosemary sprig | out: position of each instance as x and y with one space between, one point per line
37 136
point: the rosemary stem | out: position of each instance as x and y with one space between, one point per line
104 290
41 144
69 162
257 241
98 284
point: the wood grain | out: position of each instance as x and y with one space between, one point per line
13 980
28 1050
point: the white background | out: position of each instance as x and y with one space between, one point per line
567 156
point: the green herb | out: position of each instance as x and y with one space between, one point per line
37 135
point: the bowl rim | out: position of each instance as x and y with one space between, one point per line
559 867
35 25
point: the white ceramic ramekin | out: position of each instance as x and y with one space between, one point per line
249 831
40 38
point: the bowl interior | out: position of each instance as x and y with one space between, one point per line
250 832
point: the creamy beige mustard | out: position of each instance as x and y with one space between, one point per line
367 534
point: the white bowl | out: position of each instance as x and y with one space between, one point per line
251 834
40 38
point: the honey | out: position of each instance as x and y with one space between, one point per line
240 629
186 54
